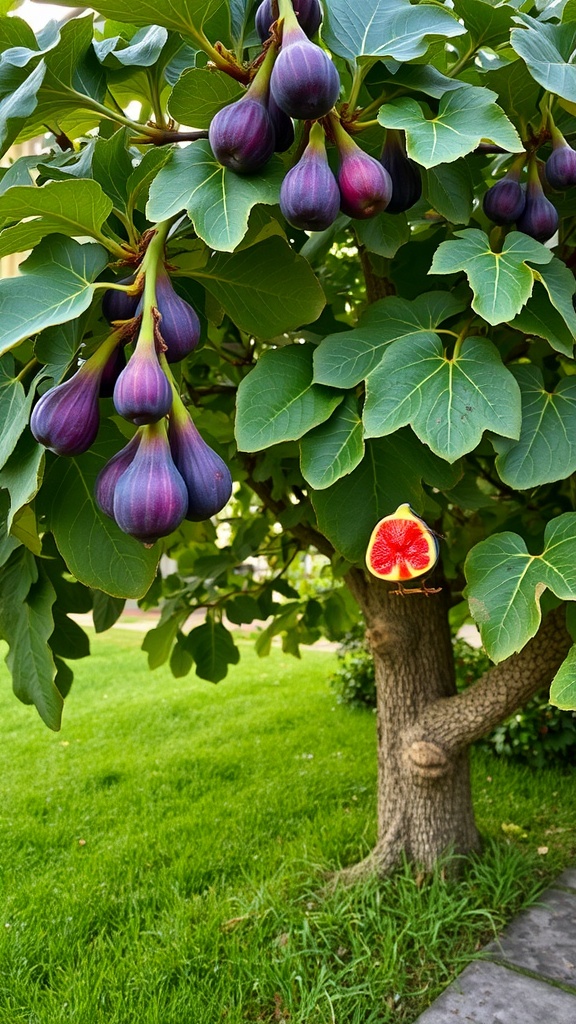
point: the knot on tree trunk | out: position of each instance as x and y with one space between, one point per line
426 759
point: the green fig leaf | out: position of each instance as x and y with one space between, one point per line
563 688
76 207
334 448
385 28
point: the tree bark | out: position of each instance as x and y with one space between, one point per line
425 728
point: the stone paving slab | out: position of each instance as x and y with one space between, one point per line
542 939
488 993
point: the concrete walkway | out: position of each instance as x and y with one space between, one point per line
527 976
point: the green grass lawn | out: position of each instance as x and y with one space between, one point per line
163 857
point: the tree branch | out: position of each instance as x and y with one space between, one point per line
450 724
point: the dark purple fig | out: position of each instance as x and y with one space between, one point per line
561 164
308 12
304 81
242 135
112 371
504 202
150 497
142 393
283 126
179 326
118 305
404 173
108 476
310 197
66 418
207 477
540 217
365 185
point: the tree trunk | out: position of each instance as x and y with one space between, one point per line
425 727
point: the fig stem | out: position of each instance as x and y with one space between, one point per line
153 256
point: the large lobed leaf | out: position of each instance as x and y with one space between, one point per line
464 118
506 582
217 200
54 285
448 402
385 28
278 400
502 282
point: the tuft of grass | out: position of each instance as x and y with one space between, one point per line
163 858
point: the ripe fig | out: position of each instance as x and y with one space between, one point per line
66 418
150 497
207 477
179 324
504 202
108 476
365 185
142 392
404 173
561 164
242 135
309 196
118 305
401 547
283 126
304 82
308 12
540 217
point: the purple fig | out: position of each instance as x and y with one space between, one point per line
112 371
108 476
309 196
304 82
504 202
365 185
207 477
283 126
66 418
150 496
118 305
540 217
308 12
561 164
179 324
242 135
142 393
404 173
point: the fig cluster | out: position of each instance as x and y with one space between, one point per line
167 472
296 80
525 203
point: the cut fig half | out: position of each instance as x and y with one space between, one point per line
401 547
